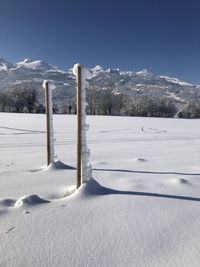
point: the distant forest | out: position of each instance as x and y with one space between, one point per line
100 102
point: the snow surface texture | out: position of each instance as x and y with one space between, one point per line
51 87
86 166
141 209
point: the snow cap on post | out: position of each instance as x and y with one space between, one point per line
75 68
50 84
44 84
85 72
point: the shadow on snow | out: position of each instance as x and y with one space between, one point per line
146 172
94 188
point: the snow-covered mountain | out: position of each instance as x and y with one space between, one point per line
145 83
29 73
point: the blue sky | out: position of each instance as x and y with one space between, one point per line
162 36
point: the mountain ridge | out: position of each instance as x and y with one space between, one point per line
132 83
39 64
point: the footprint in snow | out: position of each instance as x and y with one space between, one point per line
181 181
10 229
26 212
140 159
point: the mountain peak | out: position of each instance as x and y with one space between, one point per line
35 64
97 70
143 71
27 60
98 67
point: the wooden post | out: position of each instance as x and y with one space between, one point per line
47 123
79 124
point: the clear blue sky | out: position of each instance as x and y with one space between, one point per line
162 36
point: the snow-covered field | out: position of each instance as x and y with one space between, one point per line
142 207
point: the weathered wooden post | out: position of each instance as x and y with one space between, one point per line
84 168
49 122
46 87
79 124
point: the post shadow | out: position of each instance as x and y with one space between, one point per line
145 172
93 188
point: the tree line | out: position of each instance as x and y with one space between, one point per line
105 101
109 102
20 100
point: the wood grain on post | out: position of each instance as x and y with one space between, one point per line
79 124
47 123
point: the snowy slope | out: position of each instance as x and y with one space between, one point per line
140 209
